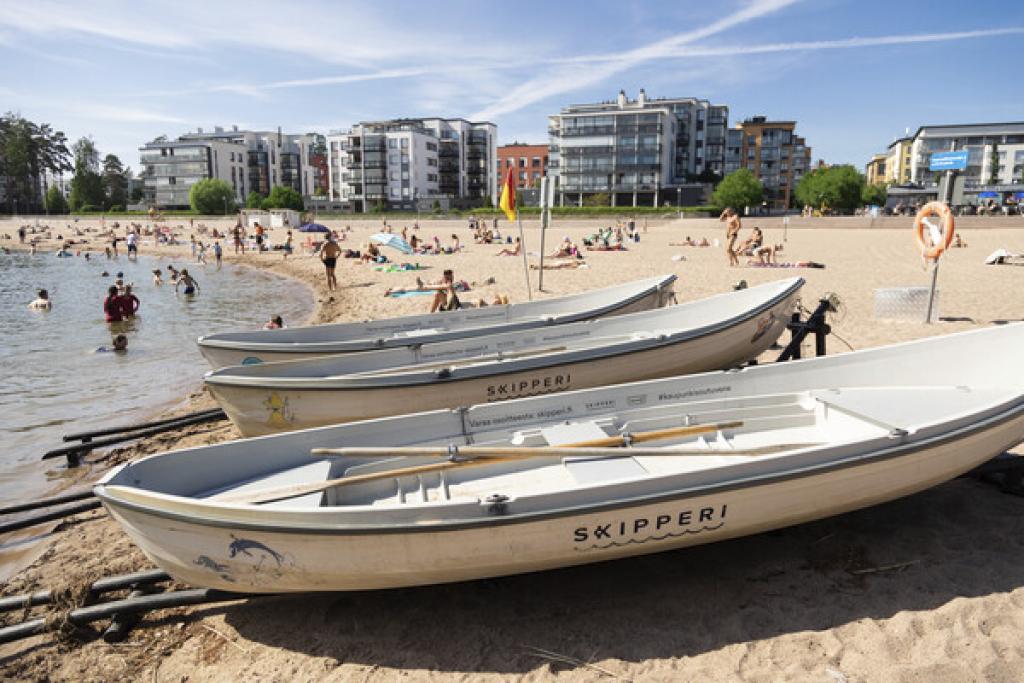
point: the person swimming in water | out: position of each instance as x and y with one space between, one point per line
119 345
191 286
42 302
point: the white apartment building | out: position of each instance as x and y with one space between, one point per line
639 152
247 160
405 163
995 154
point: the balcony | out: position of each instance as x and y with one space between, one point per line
585 131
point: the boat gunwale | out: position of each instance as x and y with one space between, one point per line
1013 410
391 341
496 367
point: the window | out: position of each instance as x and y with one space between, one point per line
431 162
432 146
392 143
392 158
522 162
522 175
405 175
431 177
536 162
172 181
405 143
393 175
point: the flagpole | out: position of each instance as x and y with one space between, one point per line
522 248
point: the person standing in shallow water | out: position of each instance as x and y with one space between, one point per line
329 255
42 302
112 305
191 286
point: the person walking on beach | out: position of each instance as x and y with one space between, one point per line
218 253
42 302
287 245
112 305
259 238
239 243
329 255
201 253
133 246
732 233
191 286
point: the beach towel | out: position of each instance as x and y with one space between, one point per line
399 268
459 287
787 264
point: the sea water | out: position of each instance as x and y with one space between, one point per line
54 382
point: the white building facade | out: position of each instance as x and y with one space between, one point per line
410 163
638 152
250 161
995 154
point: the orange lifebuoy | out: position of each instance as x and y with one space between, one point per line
930 249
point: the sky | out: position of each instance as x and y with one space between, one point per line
853 74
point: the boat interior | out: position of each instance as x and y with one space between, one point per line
747 436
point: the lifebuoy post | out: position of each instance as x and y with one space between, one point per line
938 238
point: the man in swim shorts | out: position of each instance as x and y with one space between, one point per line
329 255
191 286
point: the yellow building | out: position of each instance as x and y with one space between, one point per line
897 161
876 169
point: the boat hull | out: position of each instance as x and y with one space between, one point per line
258 410
258 557
464 323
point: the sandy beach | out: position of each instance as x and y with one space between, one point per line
928 588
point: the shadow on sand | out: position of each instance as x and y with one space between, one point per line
960 539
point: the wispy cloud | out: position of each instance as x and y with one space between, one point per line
573 76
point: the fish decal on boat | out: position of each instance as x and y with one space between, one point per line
639 530
280 414
214 566
254 549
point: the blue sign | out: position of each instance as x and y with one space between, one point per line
948 161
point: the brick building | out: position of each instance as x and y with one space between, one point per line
530 162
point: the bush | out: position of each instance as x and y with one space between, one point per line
87 208
212 196
117 208
254 200
281 197
738 189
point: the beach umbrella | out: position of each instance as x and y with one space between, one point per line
392 240
313 227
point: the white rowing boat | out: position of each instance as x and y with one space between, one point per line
263 346
709 334
769 446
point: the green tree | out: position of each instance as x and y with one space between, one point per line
597 199
738 189
282 197
875 194
836 187
87 185
54 201
254 200
28 151
115 181
212 196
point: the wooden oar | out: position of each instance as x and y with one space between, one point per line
296 490
470 452
466 360
511 453
293 491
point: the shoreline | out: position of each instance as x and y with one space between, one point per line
27 545
797 610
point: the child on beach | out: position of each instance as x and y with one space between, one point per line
201 255
218 253
120 345
157 280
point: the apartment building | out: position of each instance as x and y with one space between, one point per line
875 170
773 152
530 163
645 151
995 153
409 163
250 161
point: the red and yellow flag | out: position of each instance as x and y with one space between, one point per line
508 195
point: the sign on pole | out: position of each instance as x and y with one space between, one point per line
948 161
